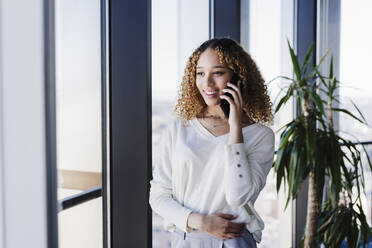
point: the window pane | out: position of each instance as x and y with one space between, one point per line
265 27
174 37
80 226
78 92
355 56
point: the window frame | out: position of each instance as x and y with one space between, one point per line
130 133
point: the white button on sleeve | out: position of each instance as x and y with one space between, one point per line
245 172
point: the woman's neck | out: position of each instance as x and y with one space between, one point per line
214 111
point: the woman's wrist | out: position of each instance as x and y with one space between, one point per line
236 135
195 221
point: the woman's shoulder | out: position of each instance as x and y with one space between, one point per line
258 127
260 131
250 126
265 129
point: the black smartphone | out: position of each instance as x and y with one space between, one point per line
224 104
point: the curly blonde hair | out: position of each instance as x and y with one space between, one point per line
256 102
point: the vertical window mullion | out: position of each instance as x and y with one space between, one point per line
304 36
130 122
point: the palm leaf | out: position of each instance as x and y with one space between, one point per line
296 67
331 68
348 113
283 77
326 54
360 113
318 101
307 62
284 99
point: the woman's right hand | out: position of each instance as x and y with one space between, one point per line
218 225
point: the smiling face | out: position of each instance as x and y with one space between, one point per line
211 77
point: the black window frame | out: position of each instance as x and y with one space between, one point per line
130 128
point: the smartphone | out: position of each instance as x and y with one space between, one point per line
224 104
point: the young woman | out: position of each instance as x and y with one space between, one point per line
211 169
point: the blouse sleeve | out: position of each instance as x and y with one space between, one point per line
161 198
246 171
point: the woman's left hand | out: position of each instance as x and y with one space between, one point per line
236 104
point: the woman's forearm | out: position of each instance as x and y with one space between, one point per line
195 221
245 174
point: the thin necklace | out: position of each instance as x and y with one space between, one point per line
213 124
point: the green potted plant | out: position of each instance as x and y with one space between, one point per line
311 148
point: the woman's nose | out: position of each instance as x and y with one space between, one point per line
209 80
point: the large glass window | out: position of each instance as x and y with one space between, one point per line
266 26
78 113
178 27
355 55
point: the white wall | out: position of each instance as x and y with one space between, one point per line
22 125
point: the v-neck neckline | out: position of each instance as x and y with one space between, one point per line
210 135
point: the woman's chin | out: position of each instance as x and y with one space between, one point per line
214 103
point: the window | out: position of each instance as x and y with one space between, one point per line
174 37
265 27
355 55
78 113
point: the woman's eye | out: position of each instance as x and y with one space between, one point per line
219 72
200 73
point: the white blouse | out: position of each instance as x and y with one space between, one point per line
197 171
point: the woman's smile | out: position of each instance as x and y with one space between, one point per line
211 94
